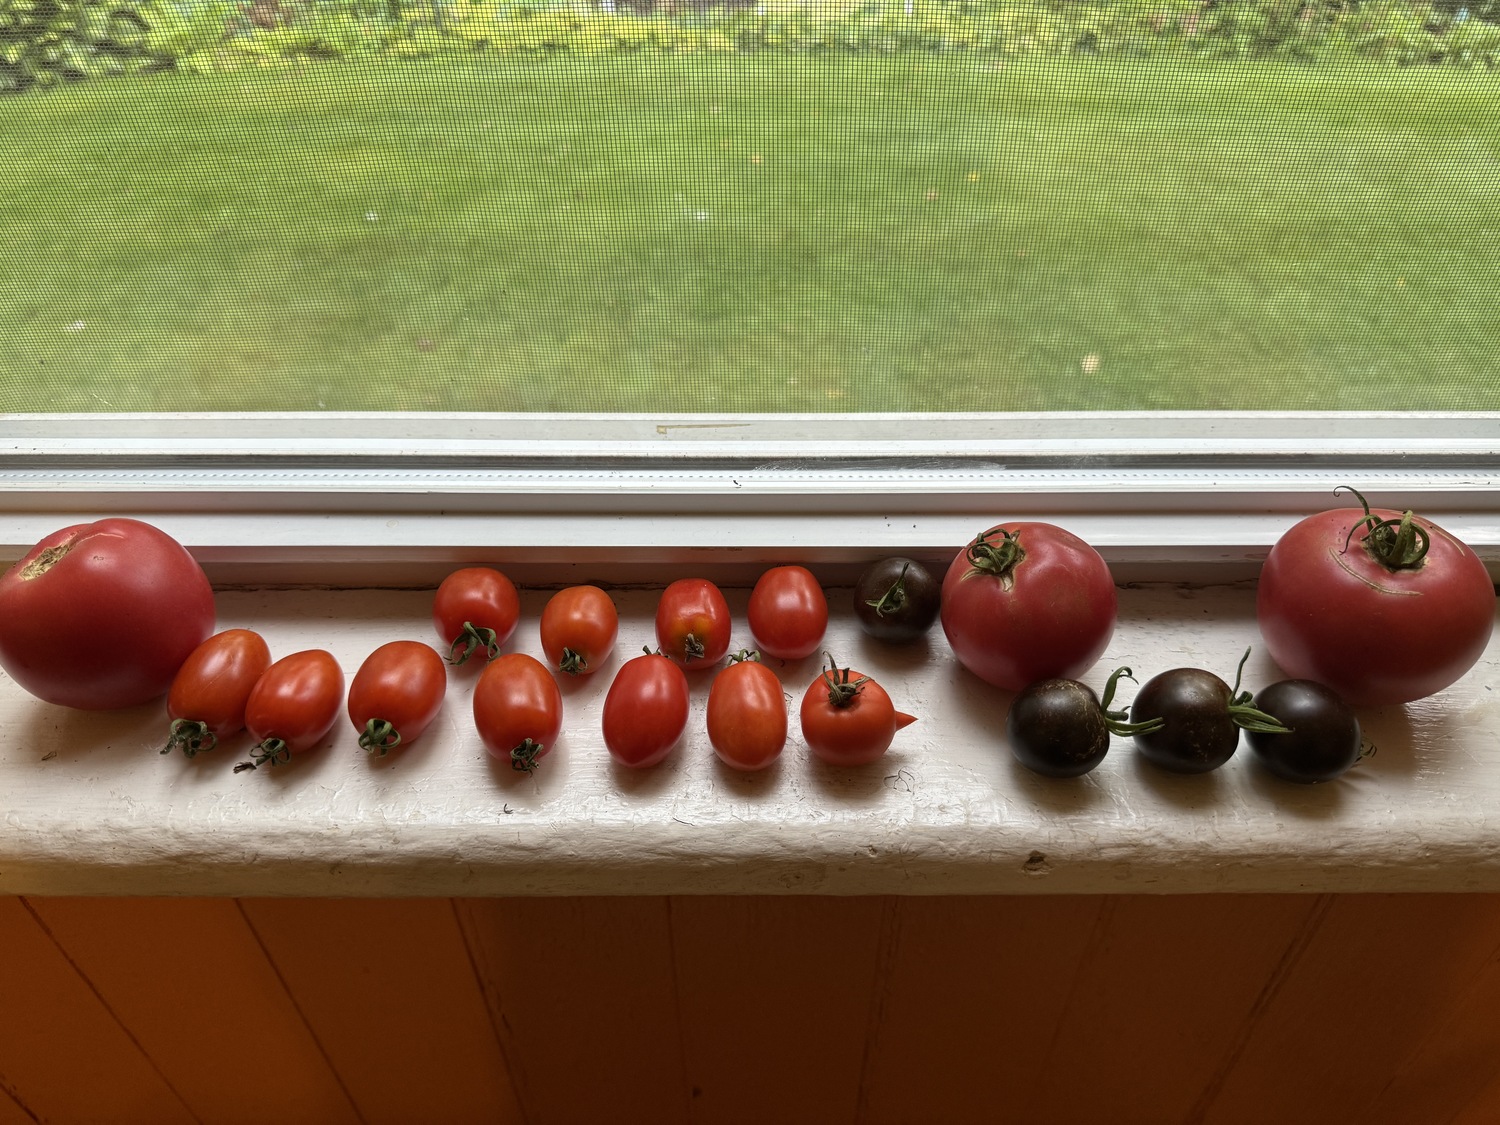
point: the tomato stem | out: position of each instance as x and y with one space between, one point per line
273 751
692 648
1118 721
573 663
523 757
471 639
380 737
841 690
893 599
998 559
1396 542
192 735
745 654
1247 717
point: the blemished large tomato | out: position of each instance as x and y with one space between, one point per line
1028 601
475 609
692 623
788 612
1381 606
101 615
206 701
518 710
579 627
747 714
645 710
396 694
293 706
847 718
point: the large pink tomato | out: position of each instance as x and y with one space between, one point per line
1028 601
1381 606
102 615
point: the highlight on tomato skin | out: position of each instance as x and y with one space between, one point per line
206 702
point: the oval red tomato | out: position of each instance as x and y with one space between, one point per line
645 710
102 615
692 623
848 719
788 612
396 694
1028 601
1351 599
206 701
579 626
476 609
293 706
518 710
747 714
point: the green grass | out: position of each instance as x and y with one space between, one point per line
753 233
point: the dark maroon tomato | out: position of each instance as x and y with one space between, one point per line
1060 728
1200 719
897 600
1323 739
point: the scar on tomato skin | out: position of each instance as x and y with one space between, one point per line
46 560
1376 586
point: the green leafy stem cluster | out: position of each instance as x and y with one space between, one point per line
45 42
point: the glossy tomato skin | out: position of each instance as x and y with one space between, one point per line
579 627
788 612
475 609
855 733
1050 617
293 706
1324 740
395 695
645 710
518 710
692 623
102 615
1057 728
897 600
206 701
1198 732
1334 614
747 719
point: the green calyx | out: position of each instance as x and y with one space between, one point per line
471 640
191 736
573 663
841 689
893 599
1118 721
1395 542
996 553
379 737
272 752
745 654
1245 715
523 757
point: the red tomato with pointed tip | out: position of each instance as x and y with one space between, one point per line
747 714
645 710
692 623
848 719
102 615
579 627
396 694
208 695
476 609
293 706
788 612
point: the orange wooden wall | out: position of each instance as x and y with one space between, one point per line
1382 1010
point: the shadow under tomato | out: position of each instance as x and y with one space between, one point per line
1317 801
127 733
1062 796
1187 792
753 785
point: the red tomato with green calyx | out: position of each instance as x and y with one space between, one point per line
102 615
747 714
1028 601
476 609
518 710
208 695
1383 607
848 719
293 706
579 627
645 710
788 612
692 623
396 694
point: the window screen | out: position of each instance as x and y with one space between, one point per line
830 205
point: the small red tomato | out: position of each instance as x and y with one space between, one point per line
788 612
692 623
475 608
292 706
208 695
645 710
396 693
848 719
518 710
747 714
579 626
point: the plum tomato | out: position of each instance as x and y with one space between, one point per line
1200 719
206 701
579 627
1323 738
102 615
1028 601
847 718
1060 728
396 694
645 710
747 714
897 600
692 623
1382 606
788 612
476 609
292 706
518 710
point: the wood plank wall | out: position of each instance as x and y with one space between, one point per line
1382 1010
